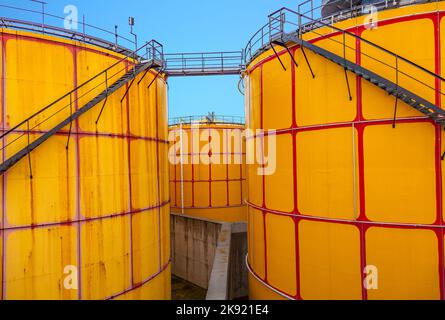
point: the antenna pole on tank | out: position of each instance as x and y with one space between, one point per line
116 36
42 3
131 24
83 28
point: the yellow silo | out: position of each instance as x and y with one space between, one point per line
355 208
86 214
208 178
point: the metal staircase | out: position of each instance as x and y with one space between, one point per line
427 108
279 36
93 96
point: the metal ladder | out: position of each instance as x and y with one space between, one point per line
427 108
278 35
126 78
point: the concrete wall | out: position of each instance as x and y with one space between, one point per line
211 255
193 246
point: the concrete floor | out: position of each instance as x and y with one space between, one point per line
183 290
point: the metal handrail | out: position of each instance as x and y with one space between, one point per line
106 74
43 28
211 119
347 33
204 62
261 39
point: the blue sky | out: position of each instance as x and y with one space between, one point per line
182 26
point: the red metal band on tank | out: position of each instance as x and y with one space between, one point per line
78 180
439 172
93 134
193 168
158 176
295 188
361 167
130 184
263 177
227 172
3 106
139 285
85 220
210 169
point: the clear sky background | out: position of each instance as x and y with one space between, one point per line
181 26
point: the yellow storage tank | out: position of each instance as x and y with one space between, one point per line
355 208
86 216
207 170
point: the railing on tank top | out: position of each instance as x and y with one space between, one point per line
19 19
21 134
393 63
208 119
286 21
259 42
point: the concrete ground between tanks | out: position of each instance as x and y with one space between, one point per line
184 290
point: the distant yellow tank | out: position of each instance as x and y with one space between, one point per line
93 221
208 180
355 209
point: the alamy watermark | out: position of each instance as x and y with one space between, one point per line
71 280
71 21
371 20
371 281
205 146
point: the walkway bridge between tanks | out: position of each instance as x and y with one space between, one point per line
204 63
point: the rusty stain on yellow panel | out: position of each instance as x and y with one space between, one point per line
160 286
105 257
113 118
22 71
143 174
165 235
36 255
50 195
145 245
144 109
36 261
100 179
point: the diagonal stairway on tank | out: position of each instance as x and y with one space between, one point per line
417 102
122 81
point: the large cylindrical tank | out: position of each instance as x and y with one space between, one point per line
93 221
355 208
208 180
